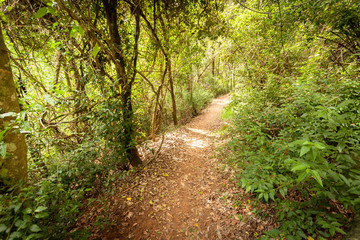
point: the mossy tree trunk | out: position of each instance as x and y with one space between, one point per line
13 166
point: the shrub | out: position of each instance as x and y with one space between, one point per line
303 143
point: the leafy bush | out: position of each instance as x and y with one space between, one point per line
305 143
201 97
38 212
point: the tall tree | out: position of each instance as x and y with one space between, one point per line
13 162
124 80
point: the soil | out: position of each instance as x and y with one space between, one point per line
185 193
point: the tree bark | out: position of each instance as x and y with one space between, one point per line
13 166
172 93
110 8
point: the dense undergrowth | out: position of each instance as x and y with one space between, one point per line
297 146
70 176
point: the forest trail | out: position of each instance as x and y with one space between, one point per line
184 194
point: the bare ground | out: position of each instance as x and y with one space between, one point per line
186 193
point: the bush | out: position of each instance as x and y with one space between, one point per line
303 143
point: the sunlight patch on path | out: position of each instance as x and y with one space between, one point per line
199 131
196 143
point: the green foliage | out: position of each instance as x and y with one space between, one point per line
215 85
37 212
304 142
201 97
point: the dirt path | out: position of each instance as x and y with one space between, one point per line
183 194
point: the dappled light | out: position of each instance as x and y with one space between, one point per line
128 119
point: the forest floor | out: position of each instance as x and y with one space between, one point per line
185 193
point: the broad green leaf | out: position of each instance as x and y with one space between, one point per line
41 12
289 161
95 50
3 149
319 145
304 150
282 192
345 179
73 32
341 145
52 11
297 142
272 194
261 195
339 230
81 30
17 207
317 177
18 222
35 228
334 175
40 208
266 197
76 29
15 235
2 227
300 166
41 215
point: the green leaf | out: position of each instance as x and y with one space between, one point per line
345 179
345 103
261 195
41 215
289 161
332 231
76 29
35 228
40 208
317 177
41 12
18 223
3 149
282 192
27 211
95 50
300 166
266 197
297 142
81 30
334 175
304 150
339 230
52 11
341 145
15 235
319 145
73 32
17 207
272 194
2 227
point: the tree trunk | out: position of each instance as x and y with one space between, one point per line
173 100
213 67
126 85
14 165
